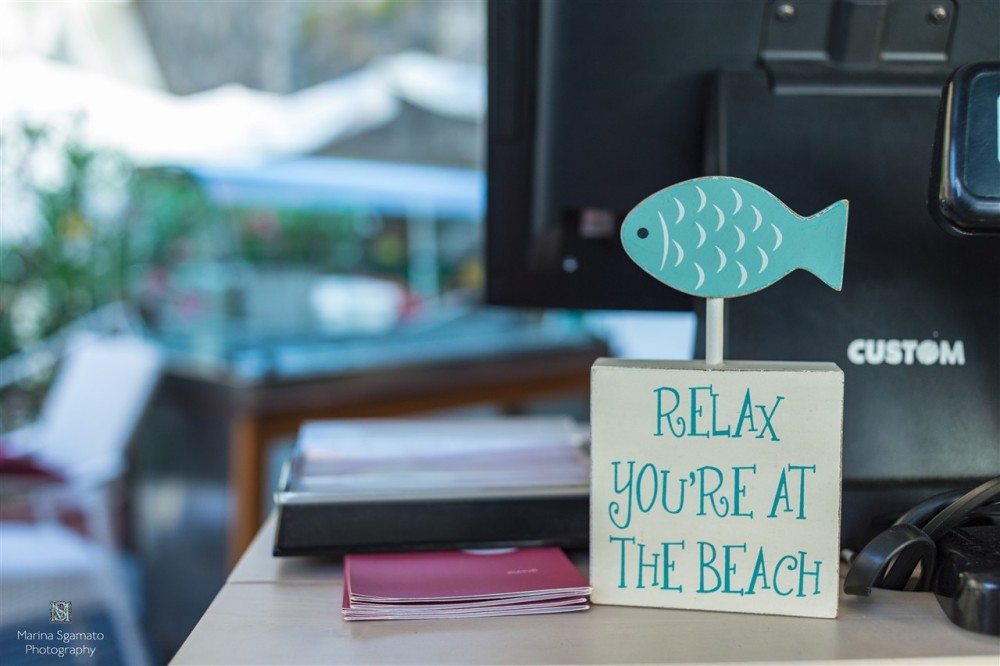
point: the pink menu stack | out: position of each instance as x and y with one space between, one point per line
451 584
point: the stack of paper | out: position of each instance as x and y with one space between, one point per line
449 584
375 457
371 485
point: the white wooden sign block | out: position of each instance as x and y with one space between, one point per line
716 487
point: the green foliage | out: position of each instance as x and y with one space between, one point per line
88 228
63 245
170 220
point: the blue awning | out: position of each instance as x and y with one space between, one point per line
325 183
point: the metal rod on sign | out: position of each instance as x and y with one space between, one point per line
715 329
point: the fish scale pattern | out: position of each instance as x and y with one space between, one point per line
725 237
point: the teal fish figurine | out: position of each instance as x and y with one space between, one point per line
719 237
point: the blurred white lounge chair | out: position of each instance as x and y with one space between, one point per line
99 394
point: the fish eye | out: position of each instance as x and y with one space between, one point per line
642 232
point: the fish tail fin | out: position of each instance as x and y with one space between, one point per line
830 240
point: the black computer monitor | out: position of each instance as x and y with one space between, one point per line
594 105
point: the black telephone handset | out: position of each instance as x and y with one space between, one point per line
964 196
